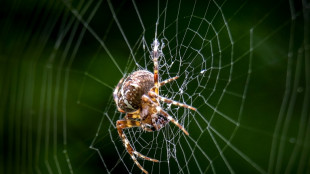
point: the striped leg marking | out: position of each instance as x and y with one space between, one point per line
123 124
155 56
168 81
165 82
173 121
166 100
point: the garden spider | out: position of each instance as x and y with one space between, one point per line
137 95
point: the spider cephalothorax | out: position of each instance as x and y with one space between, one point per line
137 95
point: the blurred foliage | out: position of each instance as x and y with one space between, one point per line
51 106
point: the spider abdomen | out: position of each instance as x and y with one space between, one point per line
132 89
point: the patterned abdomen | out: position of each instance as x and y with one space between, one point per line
132 89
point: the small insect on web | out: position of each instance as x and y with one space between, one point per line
137 95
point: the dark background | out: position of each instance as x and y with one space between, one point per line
58 68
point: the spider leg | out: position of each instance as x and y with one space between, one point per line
165 82
168 81
115 94
162 112
166 100
173 121
123 124
155 56
133 115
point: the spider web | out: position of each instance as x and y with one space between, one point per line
243 65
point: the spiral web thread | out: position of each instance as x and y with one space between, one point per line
247 75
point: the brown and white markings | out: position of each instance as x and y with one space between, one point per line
137 95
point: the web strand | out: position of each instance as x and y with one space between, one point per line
232 78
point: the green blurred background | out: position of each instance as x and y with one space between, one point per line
60 60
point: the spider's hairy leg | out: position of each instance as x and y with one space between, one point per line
145 157
133 115
165 82
162 112
166 100
173 121
168 81
123 124
155 56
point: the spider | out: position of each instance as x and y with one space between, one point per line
137 95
